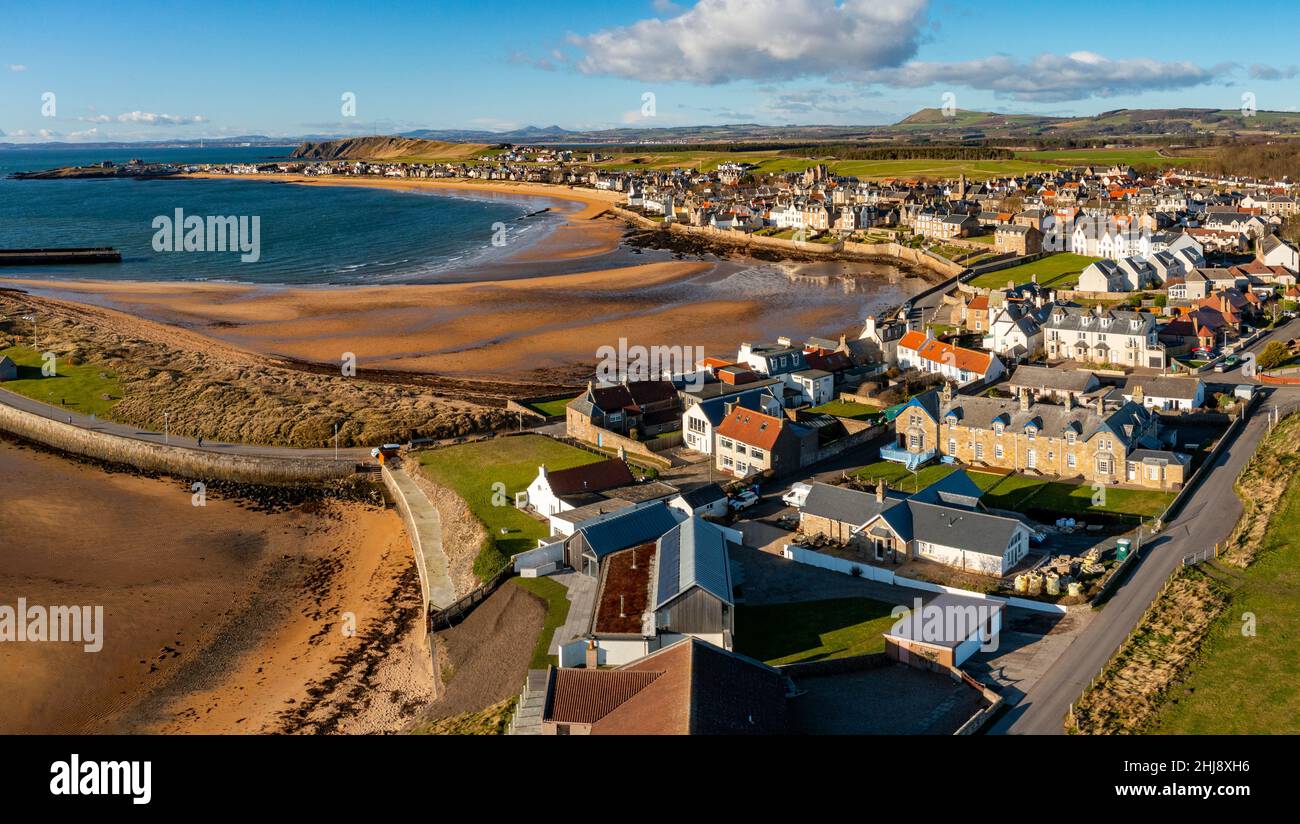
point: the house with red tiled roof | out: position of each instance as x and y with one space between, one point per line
566 489
748 442
689 688
955 363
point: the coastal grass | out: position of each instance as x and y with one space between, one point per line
812 630
493 720
490 472
556 597
76 387
1060 271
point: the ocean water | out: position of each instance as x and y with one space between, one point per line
316 235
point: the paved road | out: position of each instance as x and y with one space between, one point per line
1207 518
87 422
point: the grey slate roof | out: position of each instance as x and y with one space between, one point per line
1045 377
1127 423
1159 387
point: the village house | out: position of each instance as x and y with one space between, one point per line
651 595
750 442
596 539
1045 383
1165 394
944 523
1273 251
553 492
701 419
1017 239
632 408
1103 336
1016 332
954 363
689 688
952 644
1086 442
1130 274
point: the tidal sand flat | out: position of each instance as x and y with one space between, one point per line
216 618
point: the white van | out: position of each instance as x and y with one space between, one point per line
797 495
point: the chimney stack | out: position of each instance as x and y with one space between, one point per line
593 655
880 491
1026 400
541 470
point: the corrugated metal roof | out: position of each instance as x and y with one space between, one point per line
693 554
621 530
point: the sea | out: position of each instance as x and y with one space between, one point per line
306 235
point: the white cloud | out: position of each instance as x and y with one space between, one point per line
17 67
152 119
718 41
1051 77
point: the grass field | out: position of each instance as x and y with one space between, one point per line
551 408
1060 270
76 388
1104 157
846 409
812 630
472 469
557 610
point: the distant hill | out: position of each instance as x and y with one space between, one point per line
1118 124
388 148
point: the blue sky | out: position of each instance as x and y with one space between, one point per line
135 70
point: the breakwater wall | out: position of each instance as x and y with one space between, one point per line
172 460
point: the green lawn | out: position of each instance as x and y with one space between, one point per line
897 476
77 388
551 409
472 469
812 630
1244 684
1020 493
557 610
1060 270
846 409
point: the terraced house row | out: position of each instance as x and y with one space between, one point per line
1100 443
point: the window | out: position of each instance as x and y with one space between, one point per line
697 425
1069 438
1031 458
757 453
1069 460
997 451
952 446
979 451
1103 466
725 442
726 460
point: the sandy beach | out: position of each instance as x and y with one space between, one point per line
217 619
540 316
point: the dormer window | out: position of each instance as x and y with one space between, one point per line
1069 437
998 427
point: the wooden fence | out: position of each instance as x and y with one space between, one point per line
452 614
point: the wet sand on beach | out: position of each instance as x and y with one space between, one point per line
216 619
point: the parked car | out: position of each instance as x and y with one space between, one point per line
388 450
743 500
1227 363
